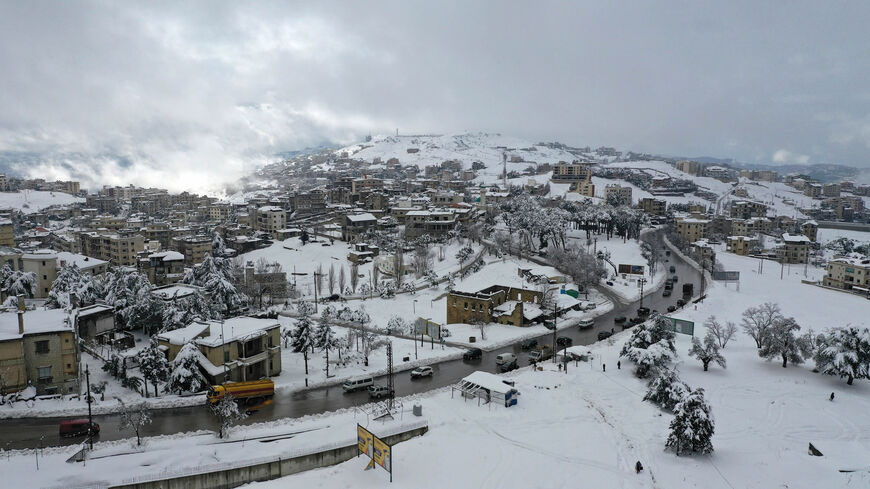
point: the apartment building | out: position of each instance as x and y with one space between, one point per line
194 248
653 207
692 229
308 203
848 274
794 249
271 219
740 227
500 304
585 188
163 268
571 172
46 264
831 190
687 166
810 229
746 209
236 349
356 225
813 190
38 348
618 194
119 250
435 223
739 245
7 233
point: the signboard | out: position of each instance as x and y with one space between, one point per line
376 449
727 276
382 455
682 326
427 327
365 440
630 269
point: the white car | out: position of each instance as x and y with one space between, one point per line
421 372
586 323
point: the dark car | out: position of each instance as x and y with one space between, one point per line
681 303
603 335
564 341
642 311
669 286
529 344
668 253
672 308
675 279
550 324
609 283
667 292
637 320
673 269
619 319
472 354
78 427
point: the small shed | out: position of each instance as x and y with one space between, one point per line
488 388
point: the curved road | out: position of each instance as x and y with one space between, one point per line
26 433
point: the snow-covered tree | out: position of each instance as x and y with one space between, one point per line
658 328
181 312
354 277
431 278
186 375
781 340
451 283
707 352
342 280
844 352
396 325
666 389
130 294
692 428
303 338
758 320
722 332
71 281
464 253
16 282
134 418
216 279
153 365
325 339
227 412
218 246
365 289
651 359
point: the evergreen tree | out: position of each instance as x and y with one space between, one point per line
782 340
666 389
71 281
303 338
650 360
218 246
214 275
153 365
844 352
186 375
16 282
707 352
693 426
658 328
325 339
181 312
130 294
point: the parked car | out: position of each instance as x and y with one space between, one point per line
609 283
587 305
586 323
603 335
549 324
78 427
472 354
667 292
667 252
675 279
637 320
379 391
672 269
358 383
672 308
643 311
681 303
619 319
564 341
540 354
669 286
529 344
421 372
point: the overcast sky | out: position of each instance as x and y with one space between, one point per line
192 94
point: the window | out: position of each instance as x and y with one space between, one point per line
42 347
45 277
44 372
466 306
226 356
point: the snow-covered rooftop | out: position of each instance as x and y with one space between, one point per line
182 336
38 321
488 381
361 217
795 238
234 329
65 258
167 255
175 291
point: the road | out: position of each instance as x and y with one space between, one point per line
27 433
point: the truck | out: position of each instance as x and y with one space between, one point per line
251 393
540 354
688 290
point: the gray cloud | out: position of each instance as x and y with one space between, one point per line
193 94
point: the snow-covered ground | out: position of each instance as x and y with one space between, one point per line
30 201
627 253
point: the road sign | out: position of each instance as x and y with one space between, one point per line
427 327
682 326
727 276
630 269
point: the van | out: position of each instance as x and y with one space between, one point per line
358 383
78 427
505 359
586 323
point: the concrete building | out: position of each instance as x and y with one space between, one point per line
848 274
163 268
618 194
739 245
745 209
831 190
356 225
114 248
500 304
794 249
585 188
38 348
7 233
435 223
692 229
571 172
194 248
687 166
810 229
236 349
653 207
813 190
271 219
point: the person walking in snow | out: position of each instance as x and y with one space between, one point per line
832 396
638 467
604 367
618 365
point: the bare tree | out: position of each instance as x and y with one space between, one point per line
354 277
422 260
399 263
330 279
227 412
721 332
318 278
758 320
341 279
441 252
134 418
261 265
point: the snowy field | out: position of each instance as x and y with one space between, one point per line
30 201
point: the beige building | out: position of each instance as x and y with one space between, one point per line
585 188
692 229
114 248
237 349
621 194
571 172
500 304
653 207
687 166
7 233
194 248
163 268
38 348
810 229
271 219
746 209
848 273
355 225
794 249
739 245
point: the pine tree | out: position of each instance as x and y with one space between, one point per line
650 346
693 426
844 352
303 338
396 325
16 282
214 275
666 389
218 245
153 365
130 294
781 340
707 352
186 375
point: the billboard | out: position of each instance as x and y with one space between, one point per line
364 440
682 326
427 327
376 449
727 276
382 454
630 269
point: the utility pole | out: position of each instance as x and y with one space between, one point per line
316 277
554 331
90 415
643 281
390 374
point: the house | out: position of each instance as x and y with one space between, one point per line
38 348
356 225
692 229
236 349
163 268
7 233
739 245
46 264
271 219
495 304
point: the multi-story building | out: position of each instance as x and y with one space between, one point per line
355 225
687 166
848 274
618 194
813 190
831 190
745 209
653 207
46 264
794 249
435 223
810 229
739 227
585 188
739 245
692 229
117 249
235 349
759 175
308 203
571 172
500 304
38 348
271 219
194 248
7 233
163 268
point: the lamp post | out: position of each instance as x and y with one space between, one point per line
90 415
641 281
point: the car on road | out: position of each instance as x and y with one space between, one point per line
472 354
667 252
358 383
637 320
379 391
549 324
669 286
672 308
672 269
619 319
586 323
681 303
603 335
529 344
643 311
540 354
78 427
564 341
675 279
667 292
421 372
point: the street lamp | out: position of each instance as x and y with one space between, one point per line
641 282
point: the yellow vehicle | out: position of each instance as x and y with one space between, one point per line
248 393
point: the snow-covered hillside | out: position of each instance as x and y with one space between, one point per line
30 201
